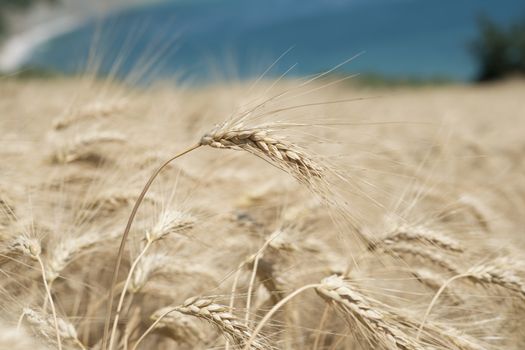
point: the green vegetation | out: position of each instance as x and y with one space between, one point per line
500 51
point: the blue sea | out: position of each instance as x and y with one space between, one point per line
205 40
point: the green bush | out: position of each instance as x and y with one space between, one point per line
500 51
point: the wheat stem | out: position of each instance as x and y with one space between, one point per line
150 328
51 303
274 309
123 293
232 296
124 237
252 280
434 300
321 326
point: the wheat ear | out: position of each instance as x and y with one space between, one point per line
401 250
31 247
500 273
407 233
219 316
45 325
335 290
260 142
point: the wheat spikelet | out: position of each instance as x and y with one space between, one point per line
170 222
28 246
221 318
260 142
97 109
183 328
45 326
387 329
409 233
386 334
79 147
59 256
402 250
500 272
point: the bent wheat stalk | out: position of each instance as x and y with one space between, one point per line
124 237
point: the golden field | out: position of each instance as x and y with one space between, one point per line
312 214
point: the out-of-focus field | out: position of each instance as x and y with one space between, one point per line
417 186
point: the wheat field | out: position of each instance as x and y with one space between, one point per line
309 214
